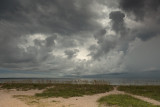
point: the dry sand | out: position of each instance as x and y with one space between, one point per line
7 100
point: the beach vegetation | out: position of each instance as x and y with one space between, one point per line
122 100
150 91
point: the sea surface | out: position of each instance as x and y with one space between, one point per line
112 81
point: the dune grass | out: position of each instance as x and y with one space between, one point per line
147 91
25 86
123 101
71 90
61 89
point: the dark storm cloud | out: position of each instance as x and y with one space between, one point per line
104 43
21 18
103 47
146 12
50 41
149 30
140 8
50 16
135 6
9 6
117 21
71 53
146 35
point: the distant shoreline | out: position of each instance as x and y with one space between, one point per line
112 81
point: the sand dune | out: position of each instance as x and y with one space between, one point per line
7 100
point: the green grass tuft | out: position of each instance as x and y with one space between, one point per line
147 91
124 101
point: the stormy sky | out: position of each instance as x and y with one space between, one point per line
57 38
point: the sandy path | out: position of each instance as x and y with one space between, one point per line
154 102
6 99
146 99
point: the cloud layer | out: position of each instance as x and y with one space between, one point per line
79 37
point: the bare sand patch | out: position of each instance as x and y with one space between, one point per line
6 100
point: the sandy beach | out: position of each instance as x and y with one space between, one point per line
7 99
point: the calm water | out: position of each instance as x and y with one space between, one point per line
112 81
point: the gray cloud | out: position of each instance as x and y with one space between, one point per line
143 10
107 42
117 21
50 42
8 7
71 53
50 16
144 56
140 8
20 18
